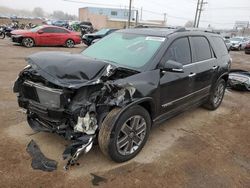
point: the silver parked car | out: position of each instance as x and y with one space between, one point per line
239 43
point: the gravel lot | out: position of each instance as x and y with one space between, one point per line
199 148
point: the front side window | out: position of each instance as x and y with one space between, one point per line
201 48
179 51
125 49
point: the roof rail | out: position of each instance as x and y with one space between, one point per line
182 29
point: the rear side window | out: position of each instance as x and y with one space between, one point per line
201 48
179 51
49 30
220 46
58 30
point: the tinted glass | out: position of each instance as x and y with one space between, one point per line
220 46
58 30
49 30
179 51
102 32
125 49
201 48
36 29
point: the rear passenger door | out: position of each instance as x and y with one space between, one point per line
205 63
176 87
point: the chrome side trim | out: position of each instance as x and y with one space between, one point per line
172 102
198 62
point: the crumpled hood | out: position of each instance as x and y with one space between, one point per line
20 32
68 70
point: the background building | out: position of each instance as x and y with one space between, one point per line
112 17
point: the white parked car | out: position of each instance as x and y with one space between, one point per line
239 43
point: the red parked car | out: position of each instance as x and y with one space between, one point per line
46 35
247 48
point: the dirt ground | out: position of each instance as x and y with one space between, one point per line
199 148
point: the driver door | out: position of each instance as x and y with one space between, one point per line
47 37
176 87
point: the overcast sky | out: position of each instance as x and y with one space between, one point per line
217 13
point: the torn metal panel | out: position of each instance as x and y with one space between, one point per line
39 161
73 151
239 80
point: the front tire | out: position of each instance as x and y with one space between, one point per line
28 42
216 96
122 138
69 43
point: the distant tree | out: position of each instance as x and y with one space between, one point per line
38 12
60 15
189 24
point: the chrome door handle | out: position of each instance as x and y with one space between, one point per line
214 67
191 74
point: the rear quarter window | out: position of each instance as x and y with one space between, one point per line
201 48
220 46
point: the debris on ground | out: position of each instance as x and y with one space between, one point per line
97 179
239 80
39 161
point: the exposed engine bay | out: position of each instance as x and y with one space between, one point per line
71 101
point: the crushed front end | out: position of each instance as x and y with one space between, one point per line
73 111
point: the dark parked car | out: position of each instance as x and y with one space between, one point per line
116 89
89 38
247 48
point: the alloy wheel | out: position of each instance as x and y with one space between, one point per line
70 43
218 95
28 42
131 135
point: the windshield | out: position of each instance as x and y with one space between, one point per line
102 32
129 50
236 39
36 29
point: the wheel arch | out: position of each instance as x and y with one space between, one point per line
147 103
224 76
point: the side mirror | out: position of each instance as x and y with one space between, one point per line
40 32
172 66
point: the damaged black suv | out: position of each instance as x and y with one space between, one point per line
115 90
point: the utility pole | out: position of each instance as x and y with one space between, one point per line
129 13
165 19
137 17
196 13
141 14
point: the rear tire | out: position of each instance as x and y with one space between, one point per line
122 138
69 43
2 35
28 42
216 96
